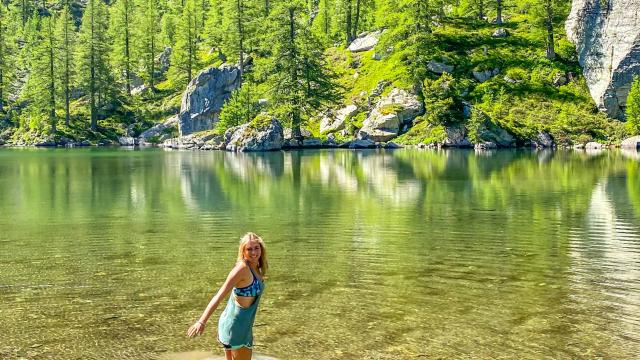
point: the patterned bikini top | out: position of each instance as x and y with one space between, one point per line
254 289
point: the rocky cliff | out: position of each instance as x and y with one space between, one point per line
204 97
607 37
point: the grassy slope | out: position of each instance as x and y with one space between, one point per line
531 105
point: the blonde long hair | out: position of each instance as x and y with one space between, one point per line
263 264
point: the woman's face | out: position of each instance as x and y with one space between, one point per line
252 251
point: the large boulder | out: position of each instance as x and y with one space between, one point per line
365 41
204 97
543 140
488 131
390 113
456 137
485 75
164 59
334 122
264 133
439 67
631 143
158 132
606 37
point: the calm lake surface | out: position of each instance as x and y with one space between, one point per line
404 254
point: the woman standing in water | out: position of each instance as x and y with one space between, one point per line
246 279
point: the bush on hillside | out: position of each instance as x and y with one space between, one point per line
633 107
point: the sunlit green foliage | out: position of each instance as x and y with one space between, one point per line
633 107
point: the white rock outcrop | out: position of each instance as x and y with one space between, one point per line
365 41
607 38
334 122
389 115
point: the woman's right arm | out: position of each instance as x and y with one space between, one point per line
232 279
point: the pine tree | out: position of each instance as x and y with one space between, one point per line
184 60
633 107
547 14
94 73
7 54
148 43
122 21
41 86
299 78
240 108
65 33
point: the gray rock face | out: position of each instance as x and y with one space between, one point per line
159 131
500 33
390 113
592 145
608 45
362 144
490 132
365 41
335 122
485 75
204 97
487 145
248 138
631 143
439 68
164 59
456 137
127 141
543 140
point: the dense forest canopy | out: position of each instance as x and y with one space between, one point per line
98 69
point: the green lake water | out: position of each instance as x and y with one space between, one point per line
404 254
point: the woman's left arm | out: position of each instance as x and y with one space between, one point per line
233 277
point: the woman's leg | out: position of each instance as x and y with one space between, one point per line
241 354
228 355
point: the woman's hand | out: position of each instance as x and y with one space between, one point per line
195 329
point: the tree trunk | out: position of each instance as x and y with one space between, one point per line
326 17
153 63
52 84
127 69
266 8
92 79
348 22
240 35
2 50
190 47
499 12
551 53
481 9
67 61
357 20
295 114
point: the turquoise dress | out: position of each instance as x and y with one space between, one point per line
235 328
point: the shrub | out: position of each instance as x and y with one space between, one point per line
240 108
633 107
